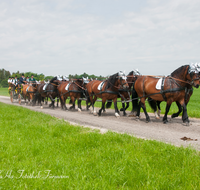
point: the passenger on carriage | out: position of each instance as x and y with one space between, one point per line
27 79
32 79
15 82
9 80
22 80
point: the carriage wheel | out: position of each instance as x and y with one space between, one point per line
19 99
11 96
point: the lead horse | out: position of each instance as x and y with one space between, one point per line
109 90
174 89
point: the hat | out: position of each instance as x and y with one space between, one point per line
22 74
12 77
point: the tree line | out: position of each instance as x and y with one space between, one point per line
4 75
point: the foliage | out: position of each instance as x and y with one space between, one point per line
37 150
85 75
4 75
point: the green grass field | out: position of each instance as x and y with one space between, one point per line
39 151
192 108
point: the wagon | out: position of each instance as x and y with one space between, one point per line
15 93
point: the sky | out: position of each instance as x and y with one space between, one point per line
98 37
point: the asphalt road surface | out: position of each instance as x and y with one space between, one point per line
172 132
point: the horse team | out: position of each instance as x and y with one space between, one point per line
135 88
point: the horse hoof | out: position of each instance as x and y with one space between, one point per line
25 104
124 114
186 123
41 107
157 117
95 113
104 111
117 115
79 110
133 114
159 111
137 118
165 122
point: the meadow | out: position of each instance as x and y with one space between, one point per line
39 151
193 106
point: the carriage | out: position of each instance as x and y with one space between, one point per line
15 93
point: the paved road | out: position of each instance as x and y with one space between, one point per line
169 133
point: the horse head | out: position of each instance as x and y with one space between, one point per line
193 75
189 74
122 80
132 77
85 81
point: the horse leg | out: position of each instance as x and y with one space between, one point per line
93 102
102 106
57 101
40 101
123 109
117 114
142 102
159 109
79 105
73 103
185 115
153 104
46 100
166 112
29 100
179 110
52 102
135 104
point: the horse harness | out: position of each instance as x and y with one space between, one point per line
162 91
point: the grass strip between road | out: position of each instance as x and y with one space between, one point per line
39 151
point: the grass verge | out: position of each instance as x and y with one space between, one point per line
39 151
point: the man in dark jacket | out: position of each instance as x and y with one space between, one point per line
22 80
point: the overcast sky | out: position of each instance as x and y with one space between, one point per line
98 37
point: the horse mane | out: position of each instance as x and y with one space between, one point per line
131 73
178 71
52 80
111 81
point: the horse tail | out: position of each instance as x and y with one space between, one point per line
152 104
108 104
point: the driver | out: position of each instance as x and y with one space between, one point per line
22 80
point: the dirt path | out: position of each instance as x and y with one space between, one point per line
170 133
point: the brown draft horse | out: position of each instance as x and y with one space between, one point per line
109 91
29 91
131 78
174 90
125 94
155 105
74 89
49 91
